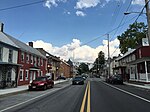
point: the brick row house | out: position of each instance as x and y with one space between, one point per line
25 63
65 69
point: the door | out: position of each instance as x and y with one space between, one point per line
31 78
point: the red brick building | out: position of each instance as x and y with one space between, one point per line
65 69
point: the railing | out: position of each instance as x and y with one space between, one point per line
142 76
148 76
132 76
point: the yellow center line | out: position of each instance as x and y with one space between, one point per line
88 100
84 99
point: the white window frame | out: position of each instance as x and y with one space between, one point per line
31 59
1 53
41 74
41 62
22 58
10 59
35 60
27 59
21 70
27 75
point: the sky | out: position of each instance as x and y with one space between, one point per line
74 29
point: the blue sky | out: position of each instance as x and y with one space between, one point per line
61 21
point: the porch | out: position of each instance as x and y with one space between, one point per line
140 71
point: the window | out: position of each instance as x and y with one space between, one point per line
27 58
31 59
21 75
9 76
41 73
35 61
38 61
22 56
41 62
1 53
27 74
10 57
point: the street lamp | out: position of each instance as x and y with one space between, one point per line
126 13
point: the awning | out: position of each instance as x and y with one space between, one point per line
12 64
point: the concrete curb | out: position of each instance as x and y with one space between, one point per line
140 86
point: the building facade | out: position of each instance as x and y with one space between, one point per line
27 62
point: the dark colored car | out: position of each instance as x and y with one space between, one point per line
109 79
42 82
61 77
116 79
79 80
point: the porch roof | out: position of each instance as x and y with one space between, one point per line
139 60
12 64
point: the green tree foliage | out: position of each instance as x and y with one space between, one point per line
99 62
132 37
83 68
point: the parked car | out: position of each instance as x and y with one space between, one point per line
109 79
116 79
41 82
61 77
78 80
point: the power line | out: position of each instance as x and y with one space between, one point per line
134 21
122 18
18 6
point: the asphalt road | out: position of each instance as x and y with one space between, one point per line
93 96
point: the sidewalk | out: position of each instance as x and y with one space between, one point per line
22 88
144 86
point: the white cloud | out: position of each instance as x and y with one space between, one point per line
50 3
80 13
86 3
81 53
138 2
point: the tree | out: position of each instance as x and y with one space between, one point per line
99 62
83 68
132 37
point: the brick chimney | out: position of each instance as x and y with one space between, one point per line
31 44
1 27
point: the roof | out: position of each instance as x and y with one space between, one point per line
127 53
17 43
6 40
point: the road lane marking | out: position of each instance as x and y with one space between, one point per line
88 100
8 108
139 97
84 99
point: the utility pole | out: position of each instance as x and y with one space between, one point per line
108 56
148 18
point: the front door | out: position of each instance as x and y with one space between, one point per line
31 78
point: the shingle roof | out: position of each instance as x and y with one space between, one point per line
24 47
6 40
127 53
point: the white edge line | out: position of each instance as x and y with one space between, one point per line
128 92
28 100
